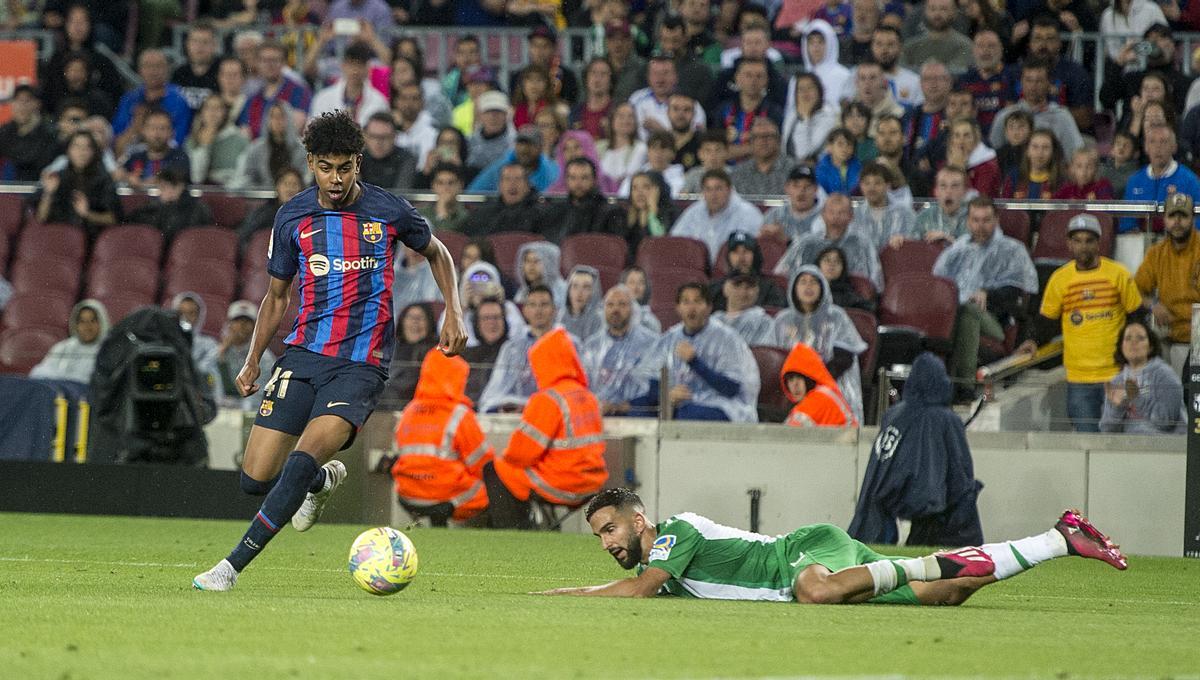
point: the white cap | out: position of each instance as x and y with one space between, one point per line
493 100
242 308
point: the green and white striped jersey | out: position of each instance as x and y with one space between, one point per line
713 561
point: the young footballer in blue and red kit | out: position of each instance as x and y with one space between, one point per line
340 237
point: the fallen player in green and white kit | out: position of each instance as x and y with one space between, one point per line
693 556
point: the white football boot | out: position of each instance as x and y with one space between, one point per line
220 578
314 503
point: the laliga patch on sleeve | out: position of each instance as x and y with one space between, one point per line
661 550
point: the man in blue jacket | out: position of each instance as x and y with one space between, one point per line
1161 178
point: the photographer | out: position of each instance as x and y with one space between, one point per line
1157 52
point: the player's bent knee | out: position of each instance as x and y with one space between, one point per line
254 487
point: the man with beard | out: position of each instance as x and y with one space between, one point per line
28 141
691 556
1166 278
941 42
889 140
144 161
652 103
584 209
611 354
681 108
767 168
1037 99
905 85
629 70
1070 83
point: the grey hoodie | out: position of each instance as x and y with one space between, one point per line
72 359
204 347
489 274
826 327
550 256
591 318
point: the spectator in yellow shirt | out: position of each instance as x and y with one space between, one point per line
1091 297
1169 278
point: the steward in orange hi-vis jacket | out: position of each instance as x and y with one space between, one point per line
441 450
819 402
557 451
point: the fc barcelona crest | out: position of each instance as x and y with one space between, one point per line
267 407
372 232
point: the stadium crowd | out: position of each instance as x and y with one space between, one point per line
813 101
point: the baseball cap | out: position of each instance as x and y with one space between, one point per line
543 31
530 134
494 100
1084 222
617 27
1179 202
242 309
741 238
802 172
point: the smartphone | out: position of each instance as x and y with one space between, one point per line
345 27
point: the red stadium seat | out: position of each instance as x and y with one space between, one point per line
229 211
609 276
664 283
673 252
132 277
60 241
22 348
454 242
911 256
46 274
256 248
773 404
119 305
254 283
596 250
1052 244
917 312
122 241
214 315
863 286
46 309
131 202
4 248
214 243
12 214
1015 224
203 275
506 244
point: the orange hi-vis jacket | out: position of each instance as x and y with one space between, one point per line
822 406
558 449
441 449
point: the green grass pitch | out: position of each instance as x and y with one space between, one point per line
104 597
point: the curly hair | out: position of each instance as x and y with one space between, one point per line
333 134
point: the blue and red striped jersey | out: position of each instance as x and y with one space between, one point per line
345 262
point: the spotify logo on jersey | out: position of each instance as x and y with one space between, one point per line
318 265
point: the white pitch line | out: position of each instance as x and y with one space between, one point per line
194 565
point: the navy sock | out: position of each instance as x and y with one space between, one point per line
277 509
318 482
254 487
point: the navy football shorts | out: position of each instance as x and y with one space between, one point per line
304 385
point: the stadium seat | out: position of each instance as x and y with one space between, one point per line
673 252
773 404
664 282
119 305
227 210
52 240
1052 246
1015 224
122 241
609 276
22 348
12 214
203 276
868 329
132 276
254 283
911 256
596 250
506 244
214 243
46 274
256 247
863 286
454 242
4 249
46 309
131 202
916 313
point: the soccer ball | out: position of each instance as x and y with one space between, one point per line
383 561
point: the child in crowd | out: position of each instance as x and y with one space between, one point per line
856 118
819 402
1040 172
713 154
838 169
1083 183
1017 129
1123 161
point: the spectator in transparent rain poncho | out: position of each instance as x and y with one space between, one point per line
611 354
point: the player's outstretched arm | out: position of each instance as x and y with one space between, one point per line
454 331
646 584
270 314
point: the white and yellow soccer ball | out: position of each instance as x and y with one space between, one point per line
383 561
